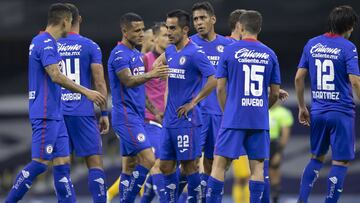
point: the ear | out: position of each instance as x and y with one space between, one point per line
213 19
186 29
80 19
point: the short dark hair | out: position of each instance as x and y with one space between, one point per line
128 18
252 21
74 12
342 19
204 6
182 16
57 12
156 27
234 18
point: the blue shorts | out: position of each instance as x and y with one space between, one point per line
49 139
180 143
209 131
232 143
154 132
133 138
84 135
335 129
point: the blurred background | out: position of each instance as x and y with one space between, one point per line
287 25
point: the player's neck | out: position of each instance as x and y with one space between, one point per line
54 31
158 50
75 29
182 43
249 36
234 35
209 36
127 43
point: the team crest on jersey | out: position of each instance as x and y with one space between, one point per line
49 149
182 60
220 48
141 137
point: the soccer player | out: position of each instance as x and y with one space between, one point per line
234 24
332 62
127 77
155 106
204 19
181 138
281 121
245 71
50 141
148 44
83 62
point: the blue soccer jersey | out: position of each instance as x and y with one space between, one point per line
44 95
213 50
187 68
78 54
250 67
329 60
128 103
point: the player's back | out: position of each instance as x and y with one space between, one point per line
128 102
213 50
250 67
44 95
329 59
78 54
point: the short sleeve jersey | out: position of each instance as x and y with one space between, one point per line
329 60
44 95
187 68
249 67
78 54
213 50
128 102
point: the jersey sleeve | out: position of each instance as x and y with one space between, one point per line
222 71
121 61
95 52
351 59
49 55
304 60
275 77
203 64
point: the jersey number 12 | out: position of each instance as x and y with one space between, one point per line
325 81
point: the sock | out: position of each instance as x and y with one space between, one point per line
137 180
310 175
97 186
214 190
266 194
113 190
183 197
241 193
335 183
256 190
159 186
194 188
63 185
24 180
182 181
171 185
149 193
204 178
124 186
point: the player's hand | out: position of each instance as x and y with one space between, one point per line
283 95
104 125
96 97
304 116
160 72
159 117
184 109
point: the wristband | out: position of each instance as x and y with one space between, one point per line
104 113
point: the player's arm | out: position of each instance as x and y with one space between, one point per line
221 92
161 60
355 83
205 91
57 77
304 116
273 94
157 113
129 80
97 72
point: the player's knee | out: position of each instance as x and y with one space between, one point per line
190 166
94 161
345 163
167 167
319 158
46 162
61 160
208 165
146 158
257 170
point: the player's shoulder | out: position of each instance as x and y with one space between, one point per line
224 40
43 39
195 38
